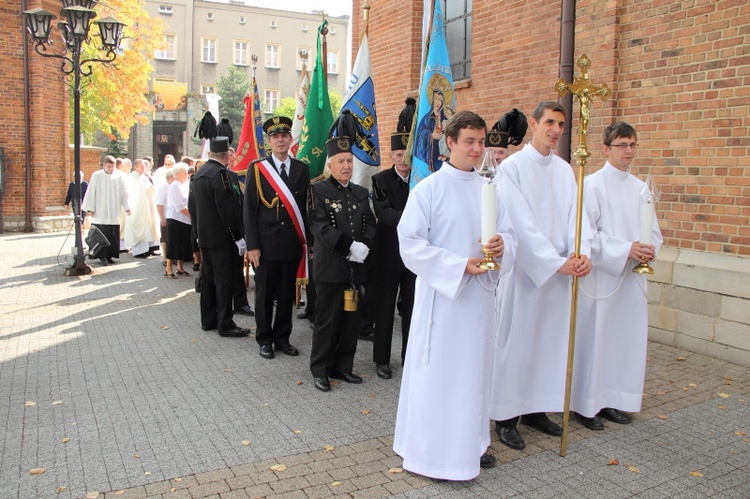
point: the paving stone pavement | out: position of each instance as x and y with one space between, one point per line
108 383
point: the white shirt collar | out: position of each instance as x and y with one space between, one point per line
278 162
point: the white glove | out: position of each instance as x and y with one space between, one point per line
242 246
358 252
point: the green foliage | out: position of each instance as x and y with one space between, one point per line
289 104
233 87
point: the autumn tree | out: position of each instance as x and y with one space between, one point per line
233 87
115 97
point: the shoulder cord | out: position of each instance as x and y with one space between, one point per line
274 203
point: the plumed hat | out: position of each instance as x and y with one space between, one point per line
513 123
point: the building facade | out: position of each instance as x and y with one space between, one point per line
680 73
203 39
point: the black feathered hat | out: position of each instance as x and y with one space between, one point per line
400 138
513 123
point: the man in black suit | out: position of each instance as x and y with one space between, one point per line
390 190
216 217
343 225
275 197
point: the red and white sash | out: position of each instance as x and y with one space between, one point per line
290 204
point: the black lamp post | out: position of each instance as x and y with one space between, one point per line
75 32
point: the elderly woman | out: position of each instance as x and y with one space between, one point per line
179 243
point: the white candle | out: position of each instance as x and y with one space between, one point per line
489 212
647 223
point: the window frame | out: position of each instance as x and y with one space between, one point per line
247 53
164 55
278 55
328 62
265 99
466 19
209 39
204 86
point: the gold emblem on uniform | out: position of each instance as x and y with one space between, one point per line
405 140
343 144
276 120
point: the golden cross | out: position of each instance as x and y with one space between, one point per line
583 91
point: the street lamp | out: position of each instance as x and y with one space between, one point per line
75 32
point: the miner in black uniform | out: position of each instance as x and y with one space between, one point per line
390 189
343 225
275 229
217 224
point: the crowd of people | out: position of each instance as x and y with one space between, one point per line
478 345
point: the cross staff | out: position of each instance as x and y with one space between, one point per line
583 91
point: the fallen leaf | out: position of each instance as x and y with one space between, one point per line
329 448
728 378
696 473
740 433
38 471
65 440
265 405
724 395
297 432
613 462
723 407
633 469
661 393
29 403
733 452
684 388
335 484
245 442
227 370
147 473
120 492
335 383
395 470
662 416
165 327
366 411
173 489
747 440
92 495
60 489
681 359
372 395
728 383
137 456
278 467
178 479
57 402
195 341
692 385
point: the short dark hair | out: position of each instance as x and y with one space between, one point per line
547 104
109 159
149 159
617 130
461 120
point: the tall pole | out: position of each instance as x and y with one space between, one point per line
583 91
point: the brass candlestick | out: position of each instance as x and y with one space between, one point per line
489 263
643 268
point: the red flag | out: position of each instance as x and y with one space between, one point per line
250 145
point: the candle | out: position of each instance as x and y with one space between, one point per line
647 223
489 212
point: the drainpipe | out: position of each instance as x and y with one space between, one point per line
27 119
567 49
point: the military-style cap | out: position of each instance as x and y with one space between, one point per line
337 145
277 124
496 139
219 144
399 141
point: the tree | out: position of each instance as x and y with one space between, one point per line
233 87
115 97
288 105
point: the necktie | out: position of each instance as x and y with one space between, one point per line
284 176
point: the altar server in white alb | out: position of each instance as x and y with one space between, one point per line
528 378
612 322
441 425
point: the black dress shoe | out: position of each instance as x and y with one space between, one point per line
142 255
235 332
110 261
347 377
302 315
541 422
266 351
103 261
196 267
487 461
615 416
366 334
208 328
244 310
594 423
384 371
510 437
322 384
287 349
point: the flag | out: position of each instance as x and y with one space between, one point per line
318 118
299 112
360 101
250 145
436 103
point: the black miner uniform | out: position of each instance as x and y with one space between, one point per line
216 216
337 216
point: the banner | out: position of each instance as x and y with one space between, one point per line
169 95
318 117
360 101
250 145
435 105
299 112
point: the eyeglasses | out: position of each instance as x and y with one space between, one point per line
623 147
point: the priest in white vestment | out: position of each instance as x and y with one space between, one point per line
140 234
612 321
528 378
441 425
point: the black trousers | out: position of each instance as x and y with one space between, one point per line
239 291
217 270
274 280
387 285
310 292
334 340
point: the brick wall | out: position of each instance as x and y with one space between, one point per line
680 73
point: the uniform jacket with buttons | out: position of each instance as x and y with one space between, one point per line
272 229
213 203
390 194
338 216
